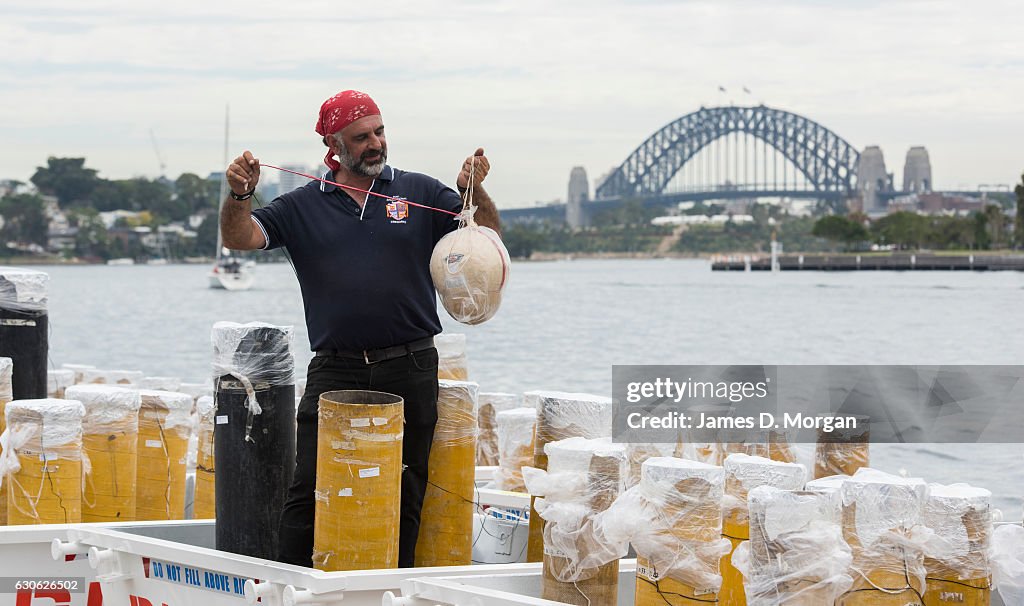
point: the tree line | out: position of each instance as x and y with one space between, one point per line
82 194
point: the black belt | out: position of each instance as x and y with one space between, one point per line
371 356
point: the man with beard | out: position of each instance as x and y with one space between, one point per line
363 266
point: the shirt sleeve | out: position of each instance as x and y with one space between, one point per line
275 219
449 200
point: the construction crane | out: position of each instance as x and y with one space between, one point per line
159 156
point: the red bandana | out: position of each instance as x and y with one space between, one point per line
341 110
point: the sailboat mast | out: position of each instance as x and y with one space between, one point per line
223 181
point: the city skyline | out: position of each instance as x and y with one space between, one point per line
541 88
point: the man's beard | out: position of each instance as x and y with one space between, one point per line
361 166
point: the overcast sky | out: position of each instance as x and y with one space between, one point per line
542 86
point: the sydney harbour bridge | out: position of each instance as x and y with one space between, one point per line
722 153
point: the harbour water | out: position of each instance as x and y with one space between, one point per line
563 325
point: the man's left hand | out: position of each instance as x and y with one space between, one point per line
478 164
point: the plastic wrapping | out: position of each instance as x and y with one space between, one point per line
562 415
714 445
196 390
470 268
41 461
881 520
165 424
24 329
451 357
266 442
796 554
843 451
78 369
531 399
673 519
491 403
257 354
637 453
57 381
23 290
161 383
704 444
1008 562
111 377
446 520
205 507
6 395
172 409
829 486
583 478
744 473
957 555
107 407
110 431
358 480
515 447
6 373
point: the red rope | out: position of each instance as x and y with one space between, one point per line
363 191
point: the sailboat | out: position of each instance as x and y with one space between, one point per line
229 271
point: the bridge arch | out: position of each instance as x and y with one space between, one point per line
827 160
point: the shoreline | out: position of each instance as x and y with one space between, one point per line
542 257
740 255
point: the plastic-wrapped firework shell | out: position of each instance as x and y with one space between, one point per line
196 390
843 451
768 443
637 453
161 383
112 377
743 473
880 516
796 554
562 415
206 469
676 514
1008 562
110 437
6 395
451 357
491 403
957 567
57 381
42 464
446 520
254 378
830 486
358 480
470 268
24 329
165 424
701 443
78 369
515 447
586 476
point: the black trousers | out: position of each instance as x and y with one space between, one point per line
412 377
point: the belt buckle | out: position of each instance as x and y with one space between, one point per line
366 357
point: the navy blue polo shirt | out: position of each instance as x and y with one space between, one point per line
364 273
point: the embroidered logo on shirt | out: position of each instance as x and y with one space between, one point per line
397 210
